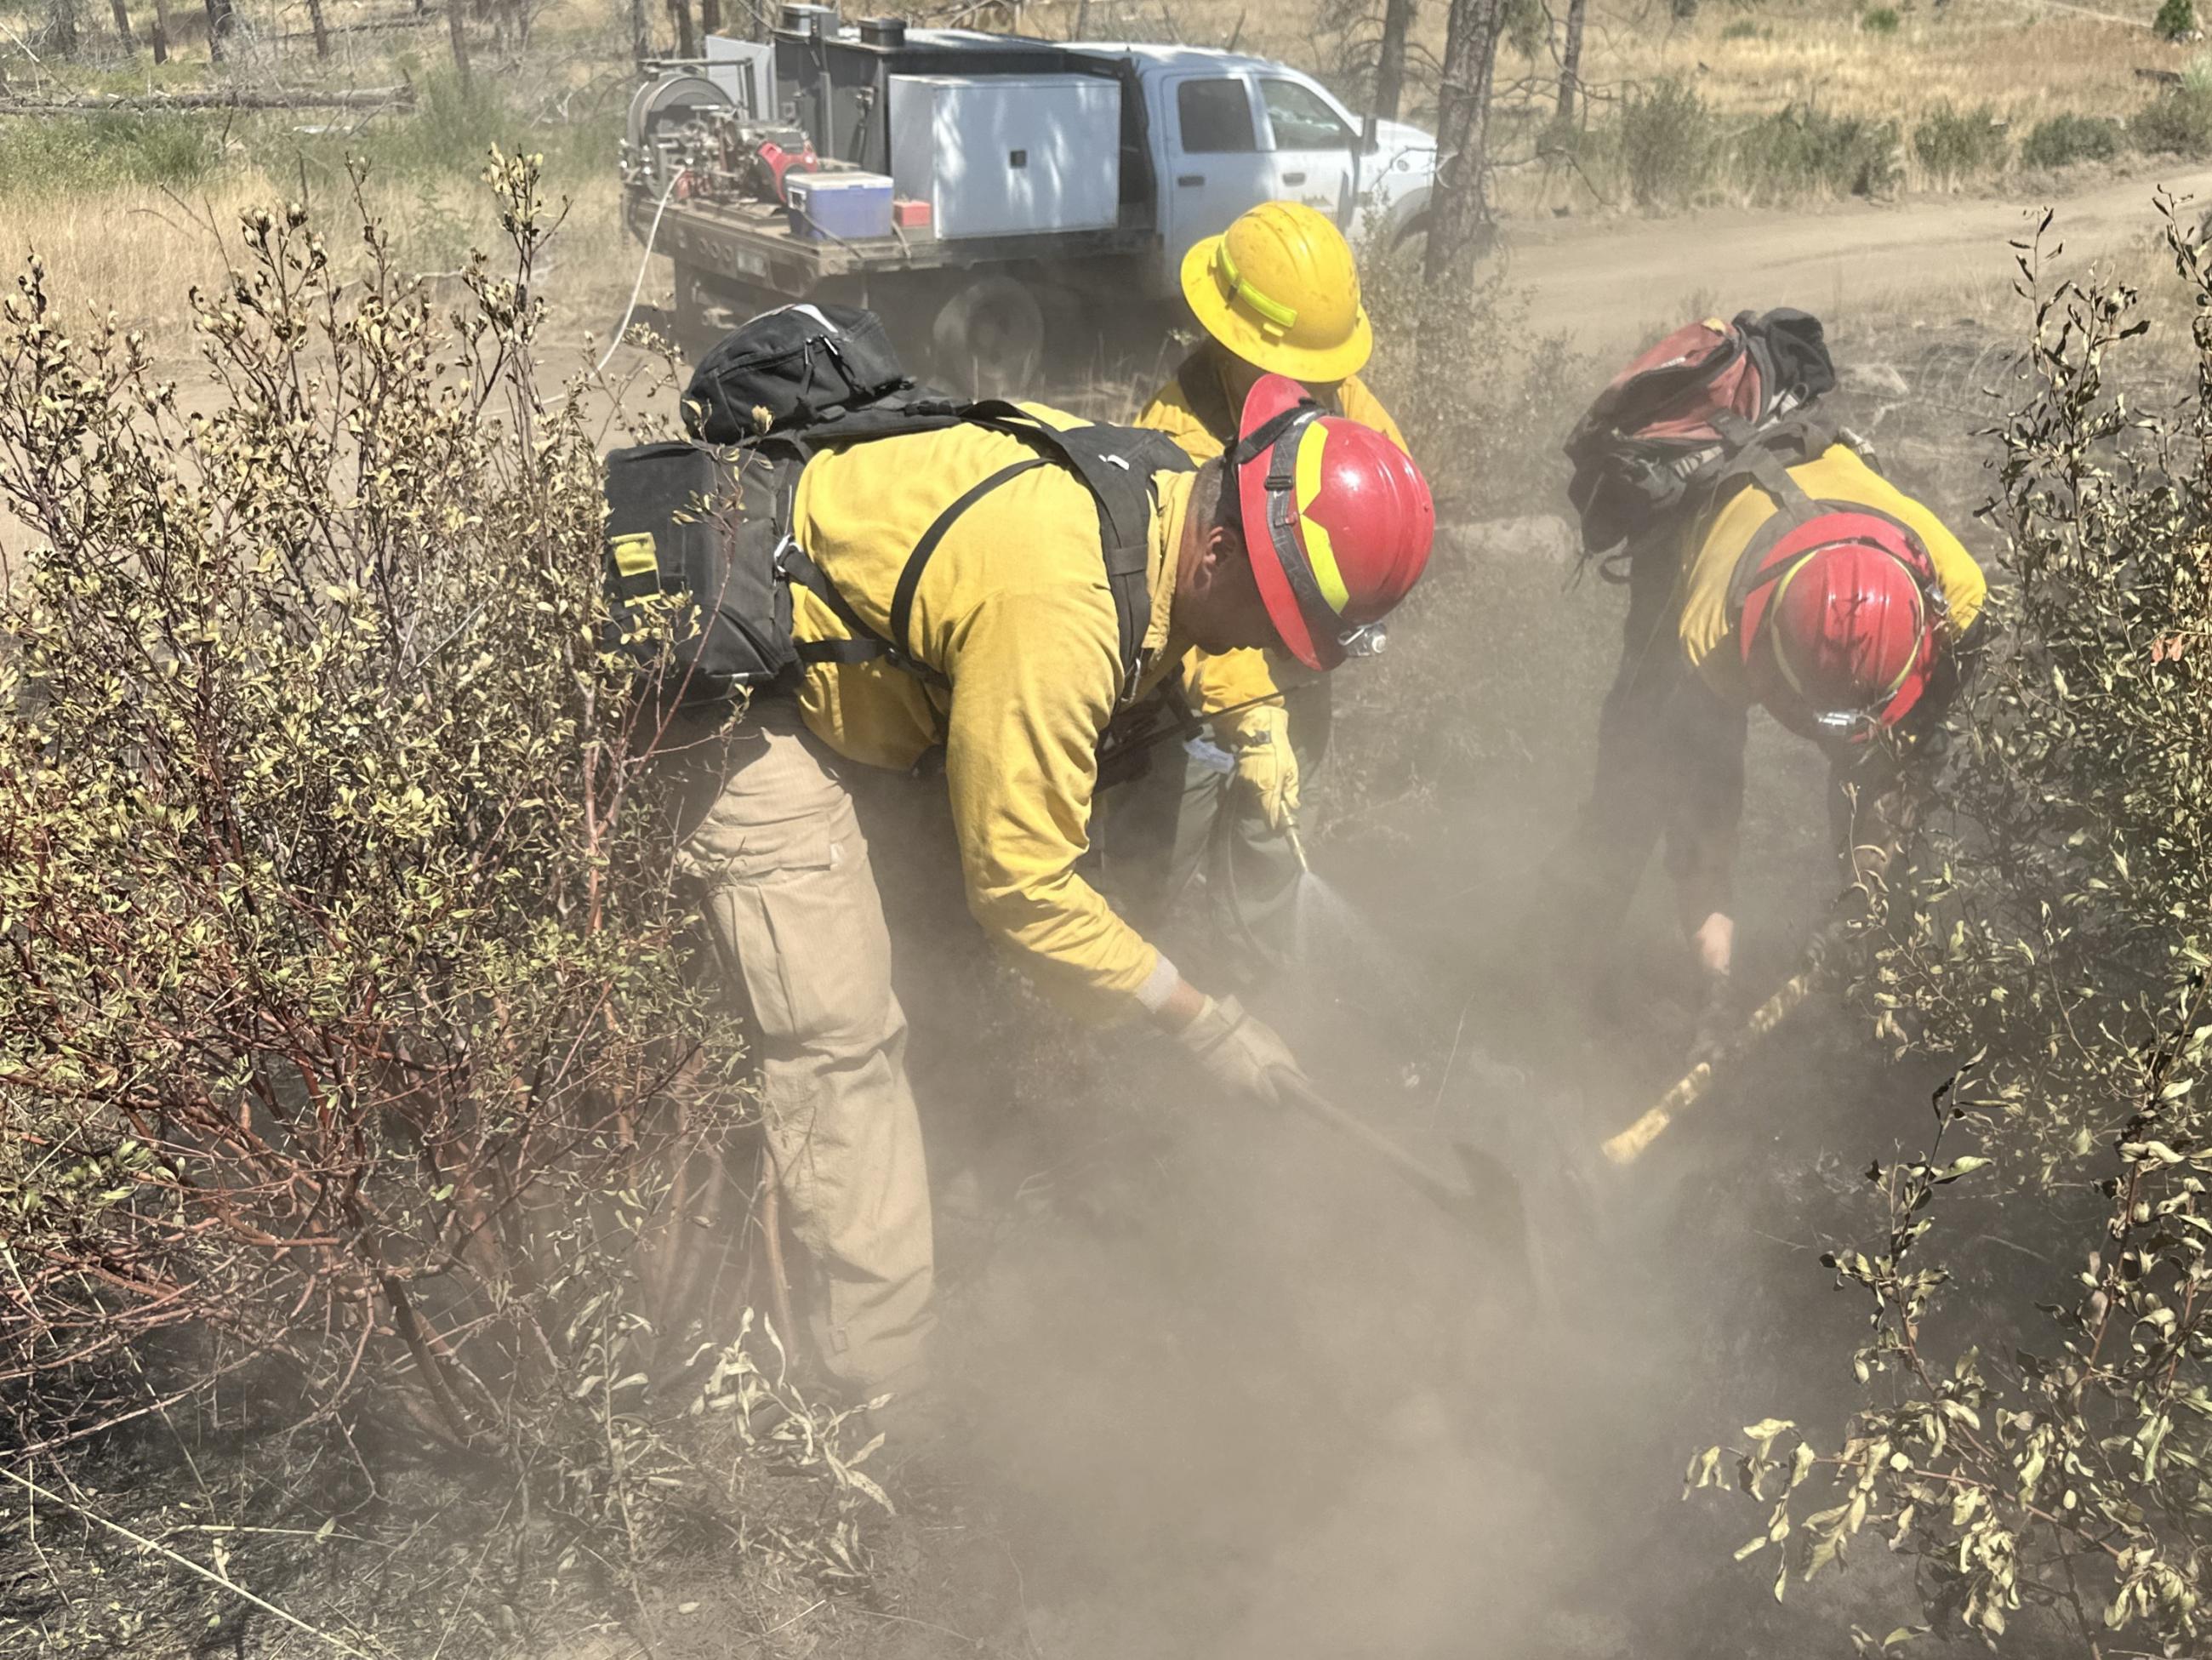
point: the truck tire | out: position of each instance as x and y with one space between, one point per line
708 307
988 336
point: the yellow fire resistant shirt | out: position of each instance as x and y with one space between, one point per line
1014 610
1241 680
1708 631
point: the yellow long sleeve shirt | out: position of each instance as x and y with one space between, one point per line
1708 627
1015 612
1240 680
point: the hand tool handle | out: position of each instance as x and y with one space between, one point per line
1298 1090
1633 1142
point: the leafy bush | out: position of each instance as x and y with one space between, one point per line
2051 1450
1742 29
2176 20
1668 139
2177 122
1803 150
350 1022
1882 19
2060 141
1952 145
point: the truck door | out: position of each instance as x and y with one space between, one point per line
1316 154
1215 166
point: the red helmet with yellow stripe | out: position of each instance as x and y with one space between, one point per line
1841 625
1337 520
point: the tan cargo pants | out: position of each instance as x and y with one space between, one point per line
791 899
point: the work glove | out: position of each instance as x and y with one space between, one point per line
1266 767
1238 1052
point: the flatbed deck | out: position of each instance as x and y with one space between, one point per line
753 242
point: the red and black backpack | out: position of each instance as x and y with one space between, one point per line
1697 412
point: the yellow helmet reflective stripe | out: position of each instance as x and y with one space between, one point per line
1276 318
1321 555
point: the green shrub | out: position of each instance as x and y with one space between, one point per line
2043 1448
1742 29
2176 20
1952 143
1668 140
2060 141
350 1029
447 135
1804 150
75 153
2177 122
1882 19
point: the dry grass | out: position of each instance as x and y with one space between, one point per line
1974 52
1999 52
136 245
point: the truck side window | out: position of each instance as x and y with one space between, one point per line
1303 121
1216 117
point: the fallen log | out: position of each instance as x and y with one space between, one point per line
217 98
412 20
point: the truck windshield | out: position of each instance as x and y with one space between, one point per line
1215 117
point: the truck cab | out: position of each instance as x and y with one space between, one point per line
987 194
1229 131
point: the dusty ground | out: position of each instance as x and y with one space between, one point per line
1611 281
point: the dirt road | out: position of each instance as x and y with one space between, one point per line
1607 281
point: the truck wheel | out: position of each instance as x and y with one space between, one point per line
988 336
707 309
1412 241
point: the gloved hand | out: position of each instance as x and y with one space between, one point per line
1266 766
1238 1053
1713 942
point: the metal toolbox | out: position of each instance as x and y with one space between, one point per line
1002 156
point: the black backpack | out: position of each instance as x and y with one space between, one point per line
711 521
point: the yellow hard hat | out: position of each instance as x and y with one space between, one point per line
1280 289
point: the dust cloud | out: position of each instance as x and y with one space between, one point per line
1232 1390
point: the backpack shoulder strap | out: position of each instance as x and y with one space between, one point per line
1118 466
901 617
1753 453
1748 578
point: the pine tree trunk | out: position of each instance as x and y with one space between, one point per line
315 18
1460 212
160 31
641 43
710 17
123 25
1570 62
686 41
457 31
1390 61
62 33
221 15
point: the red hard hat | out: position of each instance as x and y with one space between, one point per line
1840 625
1337 520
